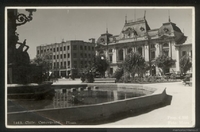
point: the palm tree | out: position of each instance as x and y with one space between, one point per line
164 62
134 63
185 64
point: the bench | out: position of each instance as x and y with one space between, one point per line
105 80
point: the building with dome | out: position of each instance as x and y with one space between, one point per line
137 36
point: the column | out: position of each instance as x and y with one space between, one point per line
135 49
143 51
146 53
177 59
124 53
157 49
116 50
114 56
170 50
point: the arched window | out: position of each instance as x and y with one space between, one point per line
152 46
166 49
140 50
129 50
166 45
120 53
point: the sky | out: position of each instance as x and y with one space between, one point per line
54 25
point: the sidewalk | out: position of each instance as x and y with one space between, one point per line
180 113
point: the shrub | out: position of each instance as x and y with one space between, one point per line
118 74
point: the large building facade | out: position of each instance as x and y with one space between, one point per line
137 36
68 57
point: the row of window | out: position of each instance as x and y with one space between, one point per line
75 47
64 65
75 55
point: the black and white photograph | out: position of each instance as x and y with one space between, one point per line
100 67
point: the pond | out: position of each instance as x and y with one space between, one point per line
64 98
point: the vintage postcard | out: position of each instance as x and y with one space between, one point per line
100 67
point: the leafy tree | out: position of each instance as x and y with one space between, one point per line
134 63
164 62
44 60
101 64
185 64
118 73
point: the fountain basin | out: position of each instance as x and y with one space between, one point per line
153 96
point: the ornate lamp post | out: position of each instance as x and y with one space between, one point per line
17 58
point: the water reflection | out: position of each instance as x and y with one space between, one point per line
63 98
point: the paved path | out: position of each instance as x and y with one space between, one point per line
179 114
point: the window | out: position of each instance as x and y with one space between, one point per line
85 47
61 64
92 48
81 54
191 53
153 54
44 50
57 64
140 50
166 52
111 71
38 52
65 64
74 55
64 48
85 55
64 55
152 46
60 48
183 53
54 49
57 56
110 58
81 64
88 47
166 45
68 55
57 49
89 55
54 65
51 49
81 47
60 56
67 47
74 47
129 50
41 51
120 53
54 57
68 63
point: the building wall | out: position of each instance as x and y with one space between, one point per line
68 55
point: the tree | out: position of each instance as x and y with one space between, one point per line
118 73
185 64
164 62
134 63
44 60
101 64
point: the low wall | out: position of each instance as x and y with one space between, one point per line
103 110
